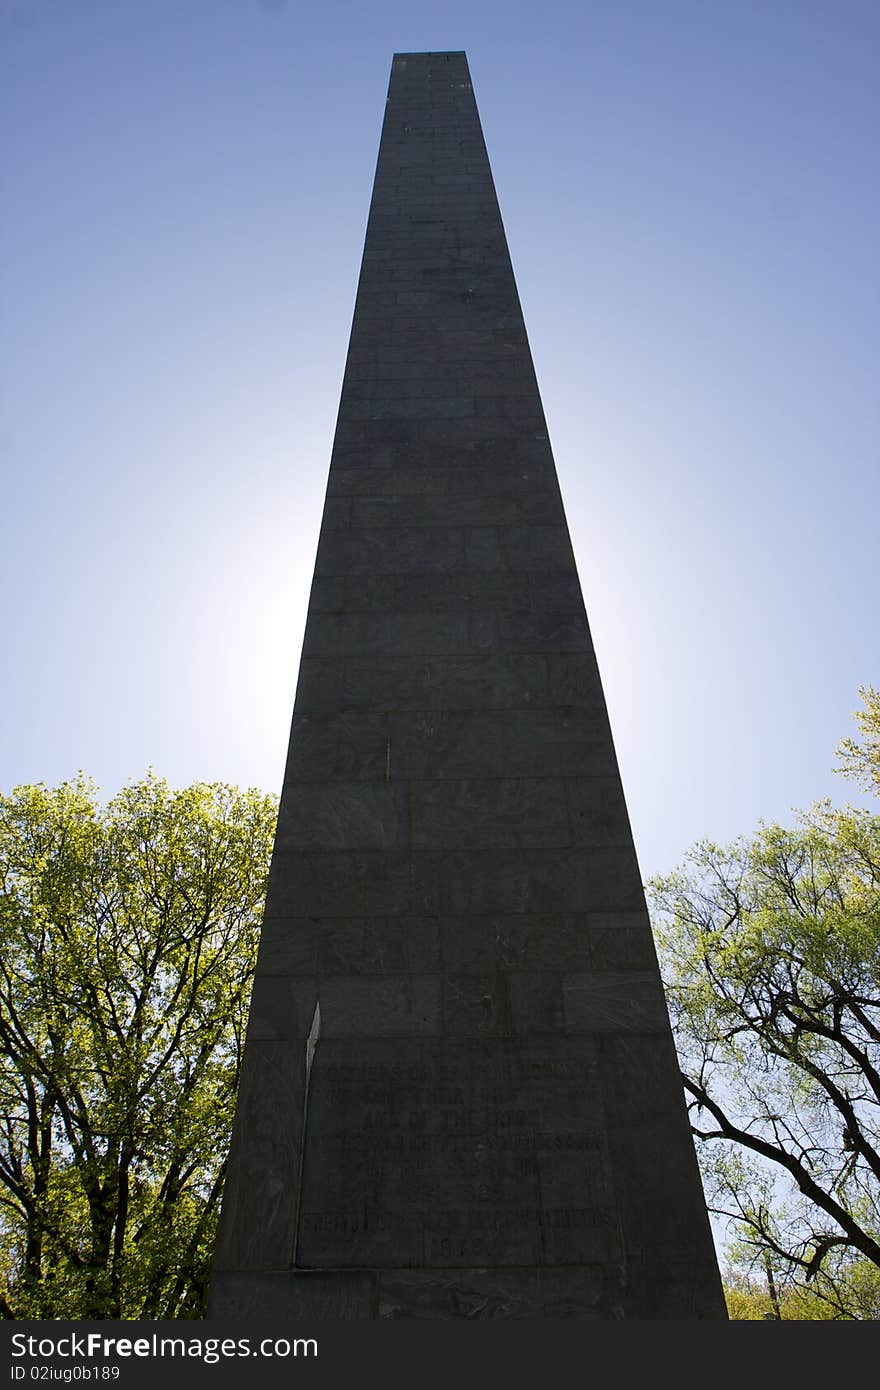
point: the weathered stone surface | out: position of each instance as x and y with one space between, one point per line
394 633
288 946
484 1293
495 681
453 508
341 747
524 813
532 880
288 1298
344 815
406 1006
262 1189
379 946
282 1006
460 1095
354 883
430 744
607 1002
459 1151
536 1003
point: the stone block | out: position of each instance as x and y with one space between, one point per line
657 1189
556 591
428 683
621 941
289 1297
258 1222
485 591
407 1006
598 812
527 943
379 946
288 946
444 743
282 1007
343 815
328 594
573 680
538 881
540 631
452 814
336 747
393 550
475 1006
554 742
353 883
641 1078
491 1293
536 1002
359 634
614 1002
319 687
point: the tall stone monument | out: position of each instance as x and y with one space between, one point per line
460 1094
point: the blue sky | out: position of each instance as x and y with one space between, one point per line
691 201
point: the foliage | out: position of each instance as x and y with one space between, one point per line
753 1300
861 760
770 951
759 1299
127 934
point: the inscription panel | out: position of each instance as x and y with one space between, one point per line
456 1153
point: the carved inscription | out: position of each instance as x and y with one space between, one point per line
488 1152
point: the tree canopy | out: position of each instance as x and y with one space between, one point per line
128 933
770 950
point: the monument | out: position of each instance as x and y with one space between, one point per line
460 1095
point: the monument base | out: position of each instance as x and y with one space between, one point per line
575 1291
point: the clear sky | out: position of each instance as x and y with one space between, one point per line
690 194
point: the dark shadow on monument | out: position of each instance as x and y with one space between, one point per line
460 1094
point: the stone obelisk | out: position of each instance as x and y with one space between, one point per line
460 1094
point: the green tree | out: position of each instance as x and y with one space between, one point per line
770 951
751 1299
128 934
